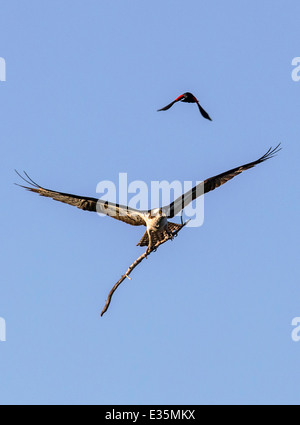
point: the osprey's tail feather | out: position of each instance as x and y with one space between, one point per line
158 236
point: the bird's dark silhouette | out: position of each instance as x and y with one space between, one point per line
189 98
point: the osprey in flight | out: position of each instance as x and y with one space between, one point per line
189 98
155 220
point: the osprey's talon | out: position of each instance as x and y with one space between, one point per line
170 235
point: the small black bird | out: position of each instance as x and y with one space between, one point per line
189 98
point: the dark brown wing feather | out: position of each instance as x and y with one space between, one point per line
203 112
165 108
212 183
119 212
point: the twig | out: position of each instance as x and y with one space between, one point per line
136 263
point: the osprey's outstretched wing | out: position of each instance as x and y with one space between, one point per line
212 183
119 212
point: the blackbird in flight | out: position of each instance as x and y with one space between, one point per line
190 98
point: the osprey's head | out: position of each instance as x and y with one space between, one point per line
156 212
156 219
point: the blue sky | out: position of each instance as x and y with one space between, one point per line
206 319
